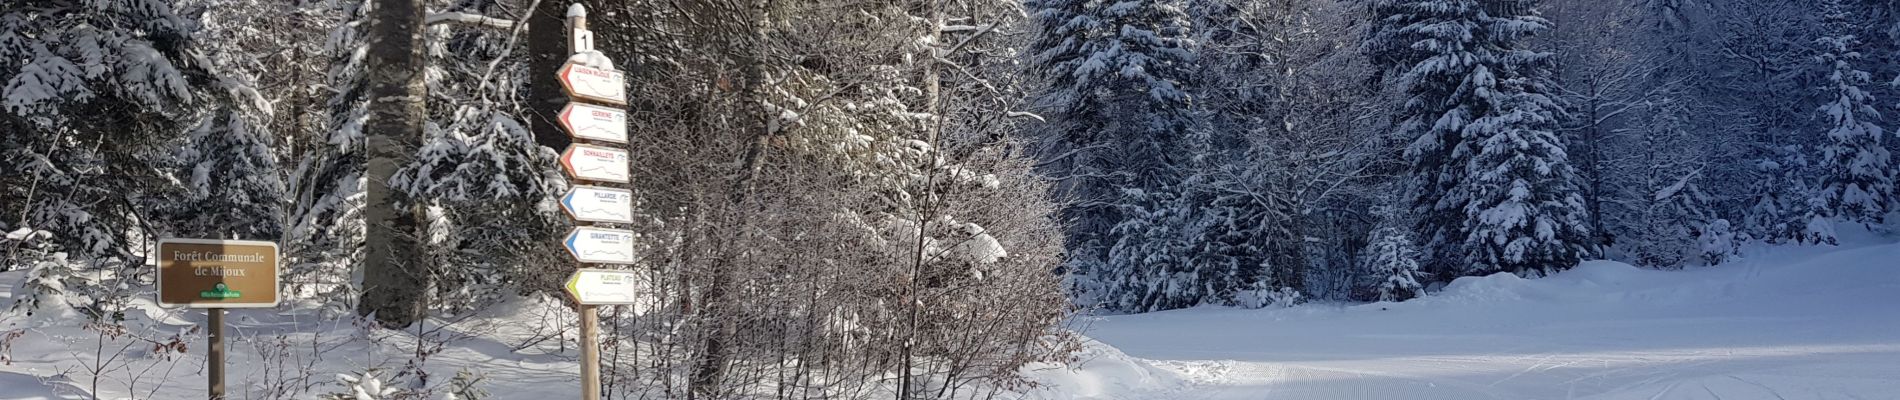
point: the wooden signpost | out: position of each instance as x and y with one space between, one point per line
215 275
595 91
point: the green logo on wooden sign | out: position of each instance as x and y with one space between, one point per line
219 292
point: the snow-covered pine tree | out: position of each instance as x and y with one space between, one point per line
96 97
1118 116
1153 258
1231 236
1403 39
1493 185
1717 242
1525 212
269 60
1778 209
1384 40
229 164
1493 188
1857 181
1391 262
1068 33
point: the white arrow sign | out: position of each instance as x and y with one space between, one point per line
595 84
600 245
599 204
588 121
595 163
604 287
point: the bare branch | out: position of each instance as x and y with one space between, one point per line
474 20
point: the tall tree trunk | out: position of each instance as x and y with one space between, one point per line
547 33
1591 164
395 281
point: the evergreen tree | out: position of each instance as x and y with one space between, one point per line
1391 261
1717 242
231 167
1493 186
1118 119
1525 213
95 100
1231 234
1385 40
1152 260
1423 68
1072 142
1857 180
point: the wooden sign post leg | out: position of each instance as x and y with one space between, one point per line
590 352
215 359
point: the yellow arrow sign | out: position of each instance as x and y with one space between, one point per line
604 287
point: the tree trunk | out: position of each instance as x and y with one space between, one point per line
927 206
1592 167
395 282
547 33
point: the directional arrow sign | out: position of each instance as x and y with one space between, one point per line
595 163
602 85
600 245
599 204
604 287
587 121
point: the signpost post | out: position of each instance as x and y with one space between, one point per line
590 78
215 275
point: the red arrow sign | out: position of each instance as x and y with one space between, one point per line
587 121
595 163
607 86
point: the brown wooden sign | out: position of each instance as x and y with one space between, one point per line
205 273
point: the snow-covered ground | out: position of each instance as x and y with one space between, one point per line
1784 323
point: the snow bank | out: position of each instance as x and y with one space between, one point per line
15 386
1778 322
1591 280
1102 373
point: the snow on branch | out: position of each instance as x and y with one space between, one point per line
476 20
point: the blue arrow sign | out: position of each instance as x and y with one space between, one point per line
600 245
599 204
